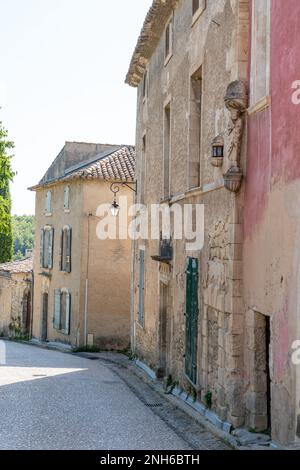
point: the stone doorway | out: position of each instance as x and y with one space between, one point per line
26 312
163 331
44 329
259 393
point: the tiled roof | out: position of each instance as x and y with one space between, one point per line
15 267
119 165
153 28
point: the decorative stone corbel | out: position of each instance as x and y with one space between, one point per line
236 102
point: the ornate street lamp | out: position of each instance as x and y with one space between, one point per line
115 188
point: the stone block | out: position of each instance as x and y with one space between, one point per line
256 403
236 421
234 345
257 422
227 427
236 323
258 381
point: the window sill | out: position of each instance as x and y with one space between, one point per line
48 214
168 58
67 211
260 106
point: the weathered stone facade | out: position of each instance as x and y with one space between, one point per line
212 47
16 283
205 135
98 280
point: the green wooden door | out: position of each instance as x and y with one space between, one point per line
191 325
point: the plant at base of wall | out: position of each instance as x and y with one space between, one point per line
15 327
208 399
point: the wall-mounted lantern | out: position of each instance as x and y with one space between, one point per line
217 151
115 188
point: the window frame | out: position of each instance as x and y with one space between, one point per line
197 13
47 251
67 191
61 295
48 204
65 255
169 34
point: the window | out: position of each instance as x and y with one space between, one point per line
62 310
48 203
46 247
195 6
198 6
143 170
195 117
167 146
169 40
65 249
145 84
67 198
260 51
141 288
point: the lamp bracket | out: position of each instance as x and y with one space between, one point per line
116 186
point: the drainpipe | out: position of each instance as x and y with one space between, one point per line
87 284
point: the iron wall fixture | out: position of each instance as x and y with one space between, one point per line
217 151
115 188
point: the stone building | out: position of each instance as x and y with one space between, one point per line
16 279
202 317
82 283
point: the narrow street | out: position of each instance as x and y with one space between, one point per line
52 400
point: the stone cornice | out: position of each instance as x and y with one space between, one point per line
154 25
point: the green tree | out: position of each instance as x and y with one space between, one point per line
6 176
23 234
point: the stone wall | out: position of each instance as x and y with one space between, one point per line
216 44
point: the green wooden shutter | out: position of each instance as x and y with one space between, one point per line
42 247
192 312
69 250
57 300
141 287
50 248
68 313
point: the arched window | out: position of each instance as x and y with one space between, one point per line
62 310
65 249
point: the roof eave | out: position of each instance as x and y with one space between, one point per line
150 35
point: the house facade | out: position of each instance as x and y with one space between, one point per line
202 316
16 295
82 282
271 217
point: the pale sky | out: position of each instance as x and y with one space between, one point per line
62 71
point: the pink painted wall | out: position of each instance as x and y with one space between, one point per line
271 256
278 160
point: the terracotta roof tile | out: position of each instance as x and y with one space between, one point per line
119 165
20 266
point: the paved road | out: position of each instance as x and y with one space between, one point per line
52 400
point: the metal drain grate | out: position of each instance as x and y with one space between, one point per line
154 405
